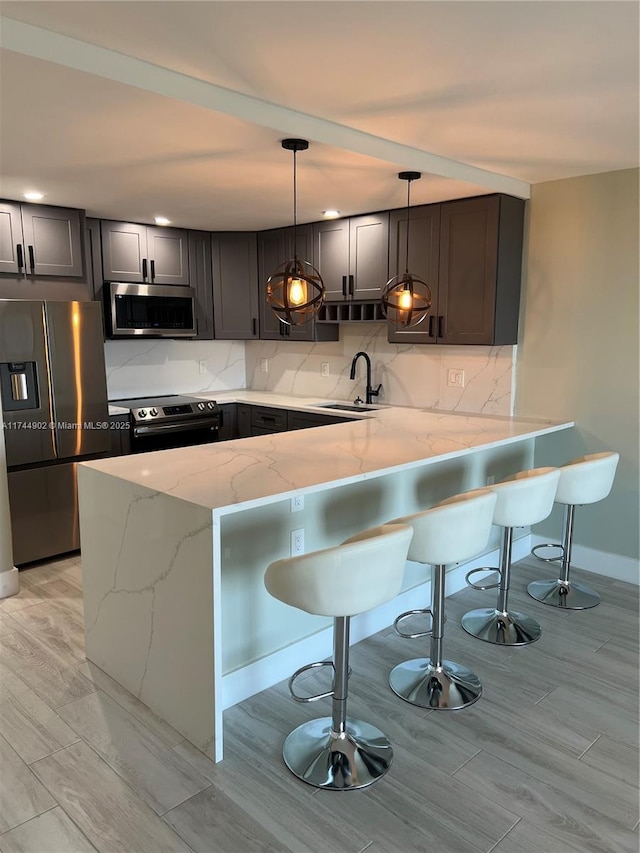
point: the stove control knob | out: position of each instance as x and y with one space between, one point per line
153 412
210 405
142 413
201 406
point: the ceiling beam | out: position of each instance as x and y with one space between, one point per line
111 65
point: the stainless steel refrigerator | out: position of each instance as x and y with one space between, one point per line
54 401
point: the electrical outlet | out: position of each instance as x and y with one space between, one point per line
297 542
202 365
324 368
297 503
264 365
455 378
491 478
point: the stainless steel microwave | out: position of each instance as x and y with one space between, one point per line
149 310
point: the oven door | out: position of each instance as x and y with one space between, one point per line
145 437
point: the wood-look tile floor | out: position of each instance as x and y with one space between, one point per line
545 762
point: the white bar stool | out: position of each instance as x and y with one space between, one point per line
338 752
455 530
585 480
522 499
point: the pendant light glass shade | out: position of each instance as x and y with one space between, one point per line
406 299
295 291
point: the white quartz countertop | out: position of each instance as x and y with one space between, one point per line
247 472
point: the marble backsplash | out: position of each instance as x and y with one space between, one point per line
410 375
141 368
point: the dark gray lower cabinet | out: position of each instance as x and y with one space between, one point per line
235 282
229 428
308 420
243 419
120 434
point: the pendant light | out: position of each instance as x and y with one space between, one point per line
406 299
295 291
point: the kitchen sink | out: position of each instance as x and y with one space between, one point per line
347 407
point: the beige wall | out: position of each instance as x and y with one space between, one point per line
578 352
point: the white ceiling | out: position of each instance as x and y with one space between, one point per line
533 91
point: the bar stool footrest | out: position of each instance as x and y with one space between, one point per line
477 585
556 559
407 613
337 761
314 698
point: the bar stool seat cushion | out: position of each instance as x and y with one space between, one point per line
362 573
452 531
587 479
526 497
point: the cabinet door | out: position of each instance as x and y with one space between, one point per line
424 251
243 418
274 248
229 428
235 296
331 257
124 248
307 420
201 280
11 245
468 266
53 241
168 255
368 255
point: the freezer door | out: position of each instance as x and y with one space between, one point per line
78 378
44 512
24 383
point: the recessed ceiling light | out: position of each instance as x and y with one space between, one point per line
162 220
32 195
330 214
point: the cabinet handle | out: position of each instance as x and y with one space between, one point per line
267 419
441 326
19 256
351 282
144 269
153 270
32 260
344 286
254 327
431 319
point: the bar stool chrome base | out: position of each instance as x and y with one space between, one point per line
448 687
570 595
501 628
338 762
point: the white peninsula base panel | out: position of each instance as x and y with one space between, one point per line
175 545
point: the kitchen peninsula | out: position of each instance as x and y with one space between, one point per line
175 544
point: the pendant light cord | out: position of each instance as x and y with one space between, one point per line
295 208
408 208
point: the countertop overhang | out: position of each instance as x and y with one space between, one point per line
243 473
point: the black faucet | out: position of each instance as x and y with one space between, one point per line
370 393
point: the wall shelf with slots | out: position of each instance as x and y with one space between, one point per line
350 312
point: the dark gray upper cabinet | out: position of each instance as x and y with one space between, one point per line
480 269
275 247
472 262
144 253
424 255
235 285
39 240
200 276
352 256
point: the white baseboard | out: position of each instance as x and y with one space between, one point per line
264 673
9 583
600 562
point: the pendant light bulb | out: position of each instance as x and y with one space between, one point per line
295 291
406 299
